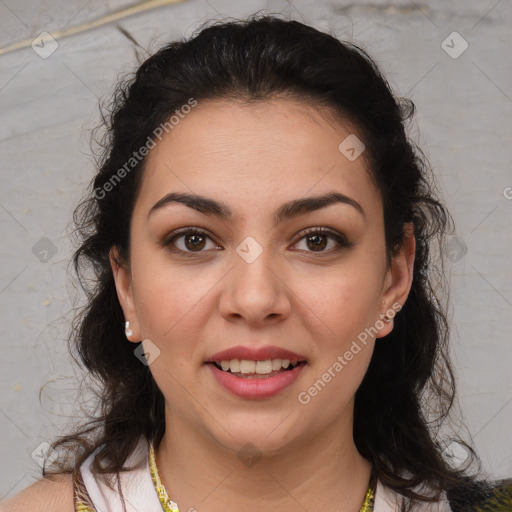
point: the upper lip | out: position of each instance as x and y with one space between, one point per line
254 354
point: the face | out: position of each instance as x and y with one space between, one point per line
247 271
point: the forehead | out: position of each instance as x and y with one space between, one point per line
254 154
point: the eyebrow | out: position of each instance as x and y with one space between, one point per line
286 211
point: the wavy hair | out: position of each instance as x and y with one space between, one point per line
409 388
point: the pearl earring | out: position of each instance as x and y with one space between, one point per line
127 330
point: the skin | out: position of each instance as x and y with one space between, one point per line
291 296
254 158
45 495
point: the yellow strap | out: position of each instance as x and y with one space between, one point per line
167 504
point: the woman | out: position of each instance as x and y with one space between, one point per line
263 323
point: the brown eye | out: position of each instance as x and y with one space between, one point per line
195 241
316 242
189 241
317 239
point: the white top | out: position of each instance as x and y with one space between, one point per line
140 495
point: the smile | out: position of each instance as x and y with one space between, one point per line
256 379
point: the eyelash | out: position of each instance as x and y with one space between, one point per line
340 239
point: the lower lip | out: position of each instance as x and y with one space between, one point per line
256 388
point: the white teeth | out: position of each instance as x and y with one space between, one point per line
247 366
276 364
263 367
234 365
259 367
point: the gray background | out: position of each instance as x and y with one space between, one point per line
49 105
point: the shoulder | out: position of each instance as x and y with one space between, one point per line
50 494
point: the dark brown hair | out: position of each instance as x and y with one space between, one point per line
408 389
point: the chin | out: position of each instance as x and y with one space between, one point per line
248 437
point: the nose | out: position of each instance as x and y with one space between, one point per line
255 292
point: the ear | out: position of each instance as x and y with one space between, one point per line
123 282
398 280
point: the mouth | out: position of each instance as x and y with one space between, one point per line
254 380
252 372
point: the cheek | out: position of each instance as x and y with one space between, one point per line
339 314
174 304
344 300
165 297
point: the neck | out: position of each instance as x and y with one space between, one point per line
325 472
